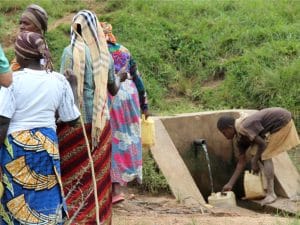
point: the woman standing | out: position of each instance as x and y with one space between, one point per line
34 19
30 160
125 118
88 57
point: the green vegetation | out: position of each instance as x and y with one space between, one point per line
153 180
250 47
11 10
253 46
194 55
57 40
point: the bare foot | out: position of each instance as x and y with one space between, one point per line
268 199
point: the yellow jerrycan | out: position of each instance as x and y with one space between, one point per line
253 186
148 132
224 200
1 189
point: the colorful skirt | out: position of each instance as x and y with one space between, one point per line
126 134
77 178
33 191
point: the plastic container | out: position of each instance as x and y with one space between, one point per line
253 186
225 199
1 189
148 131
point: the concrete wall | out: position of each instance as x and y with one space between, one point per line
185 128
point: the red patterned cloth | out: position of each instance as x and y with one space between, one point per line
77 177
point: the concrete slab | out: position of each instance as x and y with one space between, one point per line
282 206
173 167
287 182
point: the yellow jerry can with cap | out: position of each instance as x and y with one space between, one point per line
148 131
222 199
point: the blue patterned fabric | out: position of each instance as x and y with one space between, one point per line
30 165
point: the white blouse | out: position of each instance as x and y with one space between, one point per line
33 99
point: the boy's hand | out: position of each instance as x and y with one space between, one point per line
227 187
254 166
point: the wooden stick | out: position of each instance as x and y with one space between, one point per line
93 171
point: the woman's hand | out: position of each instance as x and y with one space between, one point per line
69 74
146 113
72 79
123 76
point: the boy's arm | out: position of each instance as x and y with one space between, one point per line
261 146
238 170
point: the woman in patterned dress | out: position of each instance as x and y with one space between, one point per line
125 112
30 160
88 57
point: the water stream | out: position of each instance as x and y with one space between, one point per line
209 167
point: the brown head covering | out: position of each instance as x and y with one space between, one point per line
107 29
30 45
38 16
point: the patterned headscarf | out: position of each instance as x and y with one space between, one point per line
38 16
31 45
107 28
92 36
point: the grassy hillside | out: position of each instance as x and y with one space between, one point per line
194 55
252 45
247 50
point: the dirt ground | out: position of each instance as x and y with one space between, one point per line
144 209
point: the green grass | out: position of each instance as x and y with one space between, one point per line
181 45
11 11
153 180
57 40
251 47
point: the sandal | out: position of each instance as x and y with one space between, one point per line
118 198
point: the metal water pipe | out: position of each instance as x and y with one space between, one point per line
198 143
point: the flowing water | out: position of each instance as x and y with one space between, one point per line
209 167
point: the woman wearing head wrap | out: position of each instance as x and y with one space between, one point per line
88 57
30 160
125 118
35 19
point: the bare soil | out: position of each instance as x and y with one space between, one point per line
144 209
